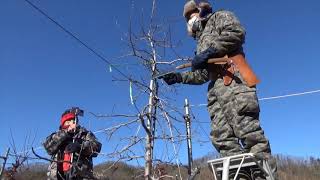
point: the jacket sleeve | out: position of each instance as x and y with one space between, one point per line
226 34
197 77
54 141
91 146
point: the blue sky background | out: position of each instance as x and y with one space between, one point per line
43 71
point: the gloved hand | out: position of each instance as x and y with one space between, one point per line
200 60
172 78
73 147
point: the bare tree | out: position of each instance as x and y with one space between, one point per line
4 158
153 49
18 159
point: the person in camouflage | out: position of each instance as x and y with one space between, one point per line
232 101
71 141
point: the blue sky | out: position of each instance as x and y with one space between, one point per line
43 71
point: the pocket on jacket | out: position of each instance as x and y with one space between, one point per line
246 101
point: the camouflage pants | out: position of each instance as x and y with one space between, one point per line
234 112
235 126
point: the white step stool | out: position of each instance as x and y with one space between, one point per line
236 162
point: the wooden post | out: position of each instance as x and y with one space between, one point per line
189 143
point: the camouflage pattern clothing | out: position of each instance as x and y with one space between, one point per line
83 167
234 109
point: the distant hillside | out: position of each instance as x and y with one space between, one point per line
290 168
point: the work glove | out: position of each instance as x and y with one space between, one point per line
73 147
200 61
172 78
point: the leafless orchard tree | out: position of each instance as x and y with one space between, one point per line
17 160
152 48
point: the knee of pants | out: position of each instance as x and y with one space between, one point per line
246 126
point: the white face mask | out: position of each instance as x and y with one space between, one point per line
193 20
190 25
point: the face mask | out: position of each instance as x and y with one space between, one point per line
190 26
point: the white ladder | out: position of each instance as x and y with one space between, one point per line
223 165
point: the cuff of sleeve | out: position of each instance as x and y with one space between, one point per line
179 77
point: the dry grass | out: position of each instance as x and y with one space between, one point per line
289 168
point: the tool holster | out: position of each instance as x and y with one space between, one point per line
226 71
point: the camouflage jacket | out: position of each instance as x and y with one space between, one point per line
83 167
222 32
